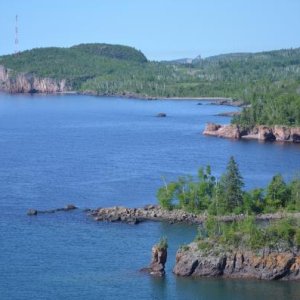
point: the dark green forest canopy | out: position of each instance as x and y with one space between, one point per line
268 81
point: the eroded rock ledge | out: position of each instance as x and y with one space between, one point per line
28 83
261 132
156 213
264 264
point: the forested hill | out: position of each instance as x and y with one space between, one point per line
269 81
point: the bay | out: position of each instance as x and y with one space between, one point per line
97 152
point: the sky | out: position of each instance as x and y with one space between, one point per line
161 29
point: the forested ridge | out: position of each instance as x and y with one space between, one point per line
269 82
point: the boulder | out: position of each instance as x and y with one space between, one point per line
161 115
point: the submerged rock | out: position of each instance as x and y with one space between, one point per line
70 207
34 212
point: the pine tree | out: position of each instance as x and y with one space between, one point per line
277 192
231 185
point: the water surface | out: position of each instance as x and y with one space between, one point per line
107 151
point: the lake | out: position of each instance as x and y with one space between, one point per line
97 152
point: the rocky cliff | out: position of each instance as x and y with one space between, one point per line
264 264
28 83
261 132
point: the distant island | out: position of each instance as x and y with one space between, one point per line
267 83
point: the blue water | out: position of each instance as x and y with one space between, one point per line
97 152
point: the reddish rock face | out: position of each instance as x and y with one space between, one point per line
295 134
265 133
212 127
226 131
267 265
281 133
158 261
28 83
229 131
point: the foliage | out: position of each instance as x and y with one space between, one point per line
226 196
188 194
248 234
294 203
231 188
163 243
277 193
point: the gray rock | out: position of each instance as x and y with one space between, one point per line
32 212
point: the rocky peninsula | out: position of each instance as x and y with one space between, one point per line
264 264
261 132
158 214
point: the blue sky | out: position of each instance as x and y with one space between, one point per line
162 29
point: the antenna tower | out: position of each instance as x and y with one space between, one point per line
16 37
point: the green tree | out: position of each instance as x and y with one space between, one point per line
254 201
294 187
165 195
277 193
231 187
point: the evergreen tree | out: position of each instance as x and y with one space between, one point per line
231 187
277 193
295 193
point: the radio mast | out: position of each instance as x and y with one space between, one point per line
16 37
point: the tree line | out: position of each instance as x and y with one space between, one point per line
207 194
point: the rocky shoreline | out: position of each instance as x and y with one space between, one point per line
265 264
158 214
262 133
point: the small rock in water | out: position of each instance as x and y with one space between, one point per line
70 207
32 212
161 115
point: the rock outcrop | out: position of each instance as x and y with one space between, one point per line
158 261
265 264
34 212
147 213
226 131
157 213
261 132
28 83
